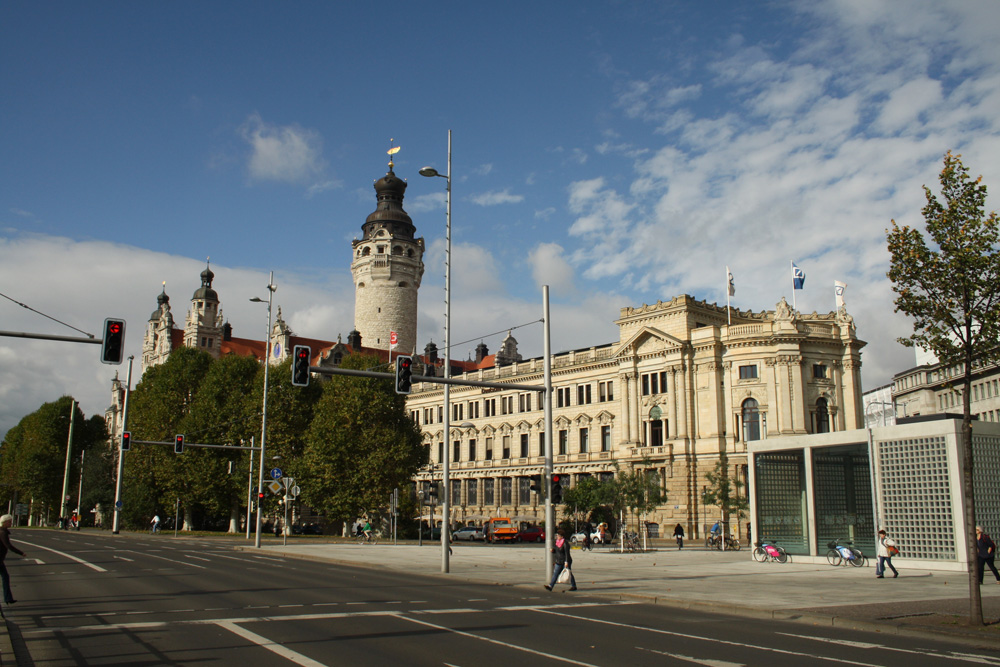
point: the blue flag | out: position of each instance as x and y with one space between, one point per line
798 277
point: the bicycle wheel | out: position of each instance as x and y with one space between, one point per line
859 558
833 557
708 543
735 545
759 554
375 539
782 556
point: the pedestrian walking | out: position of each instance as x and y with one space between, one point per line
563 561
5 521
679 534
987 554
155 521
883 551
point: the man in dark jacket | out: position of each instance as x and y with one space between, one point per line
6 546
987 554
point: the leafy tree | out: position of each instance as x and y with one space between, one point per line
951 289
723 492
361 444
637 489
593 497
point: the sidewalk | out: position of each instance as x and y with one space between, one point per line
918 602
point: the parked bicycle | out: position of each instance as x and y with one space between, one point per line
629 541
844 553
766 551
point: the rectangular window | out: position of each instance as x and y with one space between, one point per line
506 447
524 445
819 371
440 413
456 448
541 444
489 497
563 440
506 492
748 372
605 438
472 450
490 407
472 492
440 452
456 492
583 394
489 449
584 440
473 409
524 491
606 391
563 396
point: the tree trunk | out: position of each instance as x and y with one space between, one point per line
969 509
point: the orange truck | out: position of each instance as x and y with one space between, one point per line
500 530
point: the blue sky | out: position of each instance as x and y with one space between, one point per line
619 152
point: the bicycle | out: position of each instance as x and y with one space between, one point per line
844 553
371 538
766 551
629 541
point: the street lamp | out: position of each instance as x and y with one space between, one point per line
263 420
431 172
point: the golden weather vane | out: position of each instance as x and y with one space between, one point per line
392 151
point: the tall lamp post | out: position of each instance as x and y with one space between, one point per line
263 420
446 481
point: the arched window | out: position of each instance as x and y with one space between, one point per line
822 416
751 420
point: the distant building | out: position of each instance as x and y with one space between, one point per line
879 410
677 389
932 388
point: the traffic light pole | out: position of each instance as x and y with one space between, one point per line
550 520
121 455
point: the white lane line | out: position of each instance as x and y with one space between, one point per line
207 560
96 568
264 642
711 640
38 561
505 644
169 560
963 657
697 661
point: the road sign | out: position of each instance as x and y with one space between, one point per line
119 504
288 481
276 473
274 486
295 491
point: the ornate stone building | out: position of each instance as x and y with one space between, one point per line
680 387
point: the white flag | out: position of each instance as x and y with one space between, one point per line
731 282
838 288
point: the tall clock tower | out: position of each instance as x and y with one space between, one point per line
387 267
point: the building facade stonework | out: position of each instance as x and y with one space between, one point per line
680 387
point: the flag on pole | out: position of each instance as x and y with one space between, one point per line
393 340
838 288
731 282
798 277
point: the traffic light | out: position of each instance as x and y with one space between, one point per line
557 489
536 483
126 440
113 343
301 357
179 443
404 373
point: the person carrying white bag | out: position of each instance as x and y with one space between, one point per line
562 572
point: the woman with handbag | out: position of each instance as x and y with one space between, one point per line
884 553
561 571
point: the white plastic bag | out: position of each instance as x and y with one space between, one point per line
565 576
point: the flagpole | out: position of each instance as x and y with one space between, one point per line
791 268
729 313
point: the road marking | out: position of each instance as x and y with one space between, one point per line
964 657
264 642
505 644
697 661
169 560
711 640
131 560
207 560
38 561
96 568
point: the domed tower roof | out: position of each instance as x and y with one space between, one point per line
205 292
389 213
161 299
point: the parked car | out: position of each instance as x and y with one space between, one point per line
469 533
531 534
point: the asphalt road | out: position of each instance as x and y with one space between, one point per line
98 599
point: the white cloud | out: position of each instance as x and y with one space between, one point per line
550 267
495 198
289 154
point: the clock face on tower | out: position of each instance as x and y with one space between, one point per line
277 350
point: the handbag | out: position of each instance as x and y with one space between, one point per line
565 576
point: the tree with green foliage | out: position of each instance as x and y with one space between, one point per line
34 454
951 290
723 492
637 489
592 497
361 444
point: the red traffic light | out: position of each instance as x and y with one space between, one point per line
260 495
556 479
302 352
